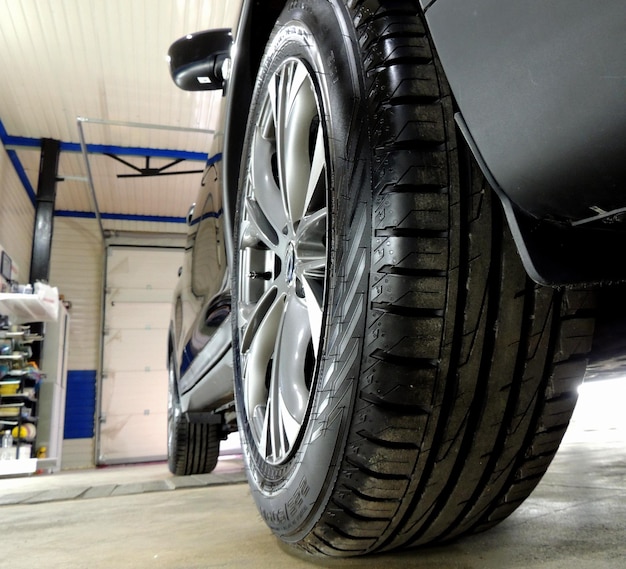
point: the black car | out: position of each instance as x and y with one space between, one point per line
397 253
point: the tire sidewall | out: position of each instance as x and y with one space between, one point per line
291 496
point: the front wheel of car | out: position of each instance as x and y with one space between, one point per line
398 379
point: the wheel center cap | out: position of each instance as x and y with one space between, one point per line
290 272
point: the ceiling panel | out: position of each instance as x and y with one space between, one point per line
106 60
99 59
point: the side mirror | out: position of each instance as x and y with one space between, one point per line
200 61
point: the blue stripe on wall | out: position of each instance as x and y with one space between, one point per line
80 404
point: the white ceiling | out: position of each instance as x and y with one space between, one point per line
106 60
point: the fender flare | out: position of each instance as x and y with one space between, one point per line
248 49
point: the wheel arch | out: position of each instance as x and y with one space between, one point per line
255 26
554 253
171 355
170 344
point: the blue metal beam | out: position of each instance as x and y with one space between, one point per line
17 165
120 216
26 142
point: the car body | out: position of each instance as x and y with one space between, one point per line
538 94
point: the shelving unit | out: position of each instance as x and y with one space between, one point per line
20 378
18 400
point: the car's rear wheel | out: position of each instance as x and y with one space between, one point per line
192 448
398 378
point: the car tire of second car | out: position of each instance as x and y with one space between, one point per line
193 448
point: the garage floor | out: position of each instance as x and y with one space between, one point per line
142 517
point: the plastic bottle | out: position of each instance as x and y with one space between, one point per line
7 443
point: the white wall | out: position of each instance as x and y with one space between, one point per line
17 216
143 227
76 266
76 269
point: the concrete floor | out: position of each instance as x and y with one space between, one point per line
146 518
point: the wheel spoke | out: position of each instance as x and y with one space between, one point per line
288 392
313 295
258 227
253 316
311 235
263 181
258 359
277 97
295 111
311 269
291 348
318 167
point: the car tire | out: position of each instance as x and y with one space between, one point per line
192 448
398 378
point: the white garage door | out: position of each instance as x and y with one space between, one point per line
133 403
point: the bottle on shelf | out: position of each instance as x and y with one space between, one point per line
7 444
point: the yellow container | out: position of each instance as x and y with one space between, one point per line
9 388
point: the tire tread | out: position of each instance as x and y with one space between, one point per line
196 448
504 362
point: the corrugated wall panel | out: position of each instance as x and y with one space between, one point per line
78 453
158 227
76 269
17 216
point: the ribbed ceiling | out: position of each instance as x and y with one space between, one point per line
106 60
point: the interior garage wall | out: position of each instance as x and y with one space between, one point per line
154 228
17 216
76 269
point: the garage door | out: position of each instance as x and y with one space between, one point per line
133 397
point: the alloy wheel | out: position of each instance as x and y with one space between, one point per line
282 248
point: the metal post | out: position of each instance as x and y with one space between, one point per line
44 215
44 223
